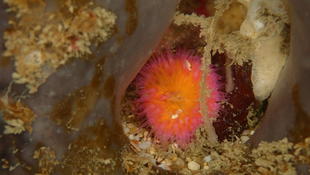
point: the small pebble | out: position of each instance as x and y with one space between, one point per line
207 159
206 167
193 166
246 132
244 139
179 162
131 137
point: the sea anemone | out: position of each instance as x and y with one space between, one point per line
168 87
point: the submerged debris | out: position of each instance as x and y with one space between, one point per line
194 166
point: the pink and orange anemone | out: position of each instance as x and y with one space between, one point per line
169 95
